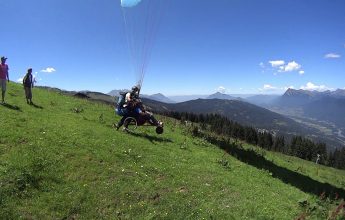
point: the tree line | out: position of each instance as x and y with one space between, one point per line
297 146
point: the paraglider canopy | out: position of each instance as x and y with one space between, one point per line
142 19
129 3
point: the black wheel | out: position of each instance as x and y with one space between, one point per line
130 124
159 130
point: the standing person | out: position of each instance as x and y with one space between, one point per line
28 84
4 78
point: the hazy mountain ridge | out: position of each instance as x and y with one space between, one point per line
158 97
324 111
294 97
328 105
219 95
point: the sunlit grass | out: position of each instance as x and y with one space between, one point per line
61 159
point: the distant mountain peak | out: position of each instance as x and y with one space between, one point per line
340 93
219 95
300 92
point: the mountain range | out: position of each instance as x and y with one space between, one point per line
297 98
278 115
325 106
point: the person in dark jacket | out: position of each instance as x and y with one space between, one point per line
28 85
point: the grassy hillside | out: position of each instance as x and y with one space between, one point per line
61 159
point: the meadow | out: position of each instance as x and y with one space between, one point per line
61 158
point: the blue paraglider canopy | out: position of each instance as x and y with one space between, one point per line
129 3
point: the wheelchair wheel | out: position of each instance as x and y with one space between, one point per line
130 124
159 130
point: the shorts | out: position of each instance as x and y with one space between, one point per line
3 84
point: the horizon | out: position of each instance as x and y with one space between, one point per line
234 47
215 92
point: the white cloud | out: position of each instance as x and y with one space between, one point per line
332 56
292 66
281 66
276 63
269 87
48 70
312 87
20 79
221 89
274 89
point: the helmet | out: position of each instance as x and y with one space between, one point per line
135 88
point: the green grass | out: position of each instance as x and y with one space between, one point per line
59 163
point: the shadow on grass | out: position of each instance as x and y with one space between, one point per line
12 107
300 181
150 137
36 106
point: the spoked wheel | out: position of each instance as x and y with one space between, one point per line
130 124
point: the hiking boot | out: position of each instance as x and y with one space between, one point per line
160 123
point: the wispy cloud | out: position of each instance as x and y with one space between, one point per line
277 63
270 88
332 56
48 70
312 87
301 72
20 79
221 89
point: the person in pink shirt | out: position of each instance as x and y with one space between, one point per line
4 78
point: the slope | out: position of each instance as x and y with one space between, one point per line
61 159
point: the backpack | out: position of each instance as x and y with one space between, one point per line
120 102
122 99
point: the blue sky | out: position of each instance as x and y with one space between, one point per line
234 46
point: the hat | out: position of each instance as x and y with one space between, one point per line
3 58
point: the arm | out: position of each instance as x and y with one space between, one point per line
32 81
8 78
128 97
